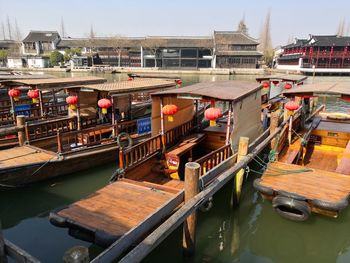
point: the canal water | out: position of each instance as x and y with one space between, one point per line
250 232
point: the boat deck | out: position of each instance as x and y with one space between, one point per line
24 155
309 183
119 207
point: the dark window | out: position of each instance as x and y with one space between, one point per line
204 63
189 53
171 53
171 63
189 63
204 52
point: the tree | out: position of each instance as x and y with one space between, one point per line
117 43
91 43
56 58
63 30
9 28
3 31
242 27
265 45
341 27
70 52
3 55
153 44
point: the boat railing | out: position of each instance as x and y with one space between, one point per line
77 140
133 156
129 127
214 158
37 130
175 134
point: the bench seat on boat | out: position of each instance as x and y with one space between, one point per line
187 144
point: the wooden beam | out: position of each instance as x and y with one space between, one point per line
18 254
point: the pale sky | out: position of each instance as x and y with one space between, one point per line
296 18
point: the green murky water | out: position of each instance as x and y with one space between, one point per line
251 232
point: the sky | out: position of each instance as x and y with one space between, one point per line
297 18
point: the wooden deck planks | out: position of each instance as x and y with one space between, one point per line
117 207
317 184
23 155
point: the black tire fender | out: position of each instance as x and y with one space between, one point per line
124 134
291 195
291 209
262 189
330 206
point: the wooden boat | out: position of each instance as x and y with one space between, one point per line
312 171
61 146
148 184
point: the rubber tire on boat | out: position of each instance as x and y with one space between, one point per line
330 206
124 134
57 220
291 195
262 189
301 206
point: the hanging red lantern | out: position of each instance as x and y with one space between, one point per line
291 106
275 82
178 83
288 86
14 93
266 85
33 94
72 102
130 78
212 114
170 110
104 104
347 98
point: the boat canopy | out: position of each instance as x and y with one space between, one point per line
127 87
22 77
52 82
321 89
285 78
229 90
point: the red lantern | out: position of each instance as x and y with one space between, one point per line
266 85
288 86
14 93
291 106
178 83
130 78
72 101
275 82
212 114
170 110
104 104
34 95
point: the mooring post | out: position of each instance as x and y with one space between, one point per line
77 254
59 142
191 190
274 119
20 120
242 151
3 257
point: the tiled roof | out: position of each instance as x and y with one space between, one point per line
44 36
239 53
233 37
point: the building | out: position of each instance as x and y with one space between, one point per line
224 49
11 48
318 53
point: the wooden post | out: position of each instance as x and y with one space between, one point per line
41 104
77 254
191 190
274 119
3 257
162 125
78 117
242 152
20 120
228 128
115 128
59 142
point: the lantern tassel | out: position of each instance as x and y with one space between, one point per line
212 123
104 110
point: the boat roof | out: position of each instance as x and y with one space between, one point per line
228 90
286 77
53 82
126 87
15 77
321 89
157 76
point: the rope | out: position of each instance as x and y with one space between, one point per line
37 170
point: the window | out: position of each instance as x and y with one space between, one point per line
171 63
204 52
171 53
189 53
192 63
204 63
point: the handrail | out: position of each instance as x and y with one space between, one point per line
175 134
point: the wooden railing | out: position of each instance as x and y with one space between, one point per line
131 157
174 135
42 129
73 140
214 158
128 127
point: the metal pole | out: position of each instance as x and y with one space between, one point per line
228 128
